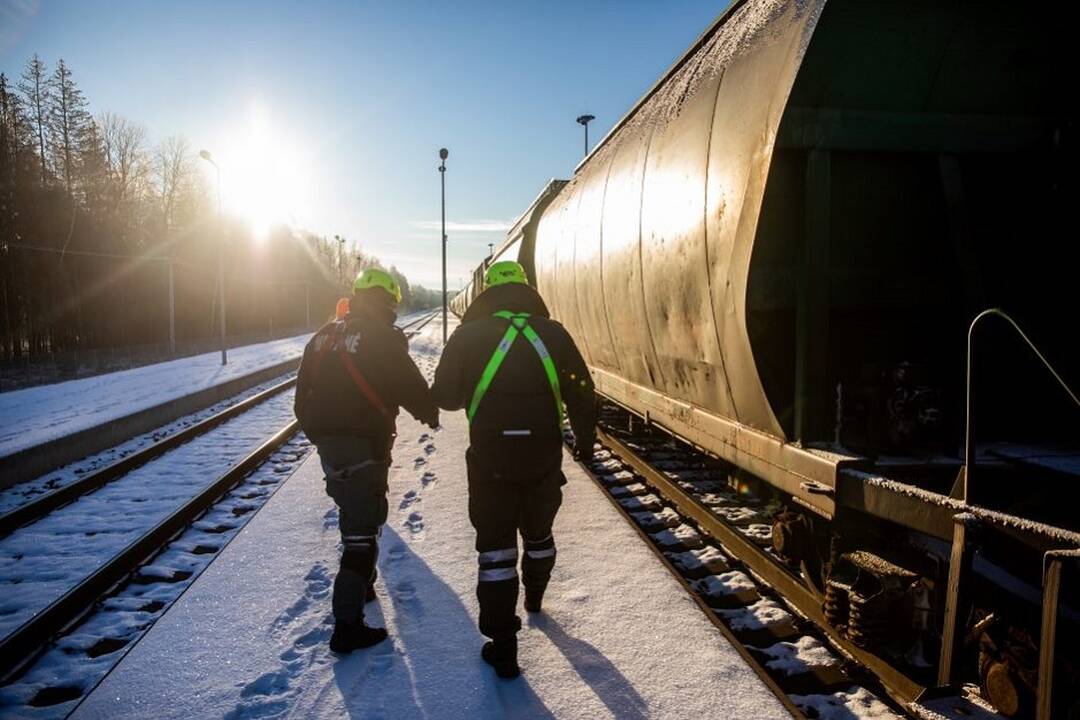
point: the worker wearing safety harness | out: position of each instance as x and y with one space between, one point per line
354 375
515 371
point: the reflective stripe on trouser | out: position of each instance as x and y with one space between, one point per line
357 483
497 591
537 564
500 508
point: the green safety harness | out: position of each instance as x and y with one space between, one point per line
519 324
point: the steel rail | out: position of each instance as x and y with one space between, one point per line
739 646
19 647
899 686
419 324
42 506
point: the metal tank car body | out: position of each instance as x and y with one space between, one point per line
814 193
776 256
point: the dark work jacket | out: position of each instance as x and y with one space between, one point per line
328 401
520 396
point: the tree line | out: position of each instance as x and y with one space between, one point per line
108 240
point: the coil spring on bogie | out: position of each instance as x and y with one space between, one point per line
836 604
868 621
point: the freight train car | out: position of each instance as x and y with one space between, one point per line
519 245
776 256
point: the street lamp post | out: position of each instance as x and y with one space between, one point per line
584 121
443 154
205 155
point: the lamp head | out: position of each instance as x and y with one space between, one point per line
585 119
443 153
205 155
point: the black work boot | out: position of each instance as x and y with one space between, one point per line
534 600
349 636
502 655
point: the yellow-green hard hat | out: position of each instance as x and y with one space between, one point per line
504 273
373 277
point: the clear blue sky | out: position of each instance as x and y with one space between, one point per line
357 97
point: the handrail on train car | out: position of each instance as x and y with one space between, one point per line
969 427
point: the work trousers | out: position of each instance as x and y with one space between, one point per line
502 506
357 482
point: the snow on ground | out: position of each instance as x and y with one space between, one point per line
39 414
22 493
619 636
41 561
70 668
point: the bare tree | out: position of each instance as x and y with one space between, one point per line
37 93
173 167
124 145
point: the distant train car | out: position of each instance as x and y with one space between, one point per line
518 245
776 256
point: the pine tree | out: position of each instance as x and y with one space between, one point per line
68 121
36 93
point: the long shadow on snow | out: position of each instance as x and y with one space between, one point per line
599 673
438 646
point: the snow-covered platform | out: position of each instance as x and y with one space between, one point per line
47 426
618 638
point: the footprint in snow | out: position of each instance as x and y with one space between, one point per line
405 591
317 584
257 709
427 478
330 519
408 499
420 461
415 522
423 439
382 659
429 448
317 636
272 683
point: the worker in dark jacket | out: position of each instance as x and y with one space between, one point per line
513 369
355 374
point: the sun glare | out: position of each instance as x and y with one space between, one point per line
262 176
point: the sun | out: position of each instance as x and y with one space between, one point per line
263 178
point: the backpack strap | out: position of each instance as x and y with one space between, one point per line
519 324
359 380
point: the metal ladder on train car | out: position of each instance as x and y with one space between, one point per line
1055 561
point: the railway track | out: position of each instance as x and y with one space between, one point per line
71 607
413 327
43 505
39 507
714 535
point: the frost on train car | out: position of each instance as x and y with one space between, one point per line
776 255
781 246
